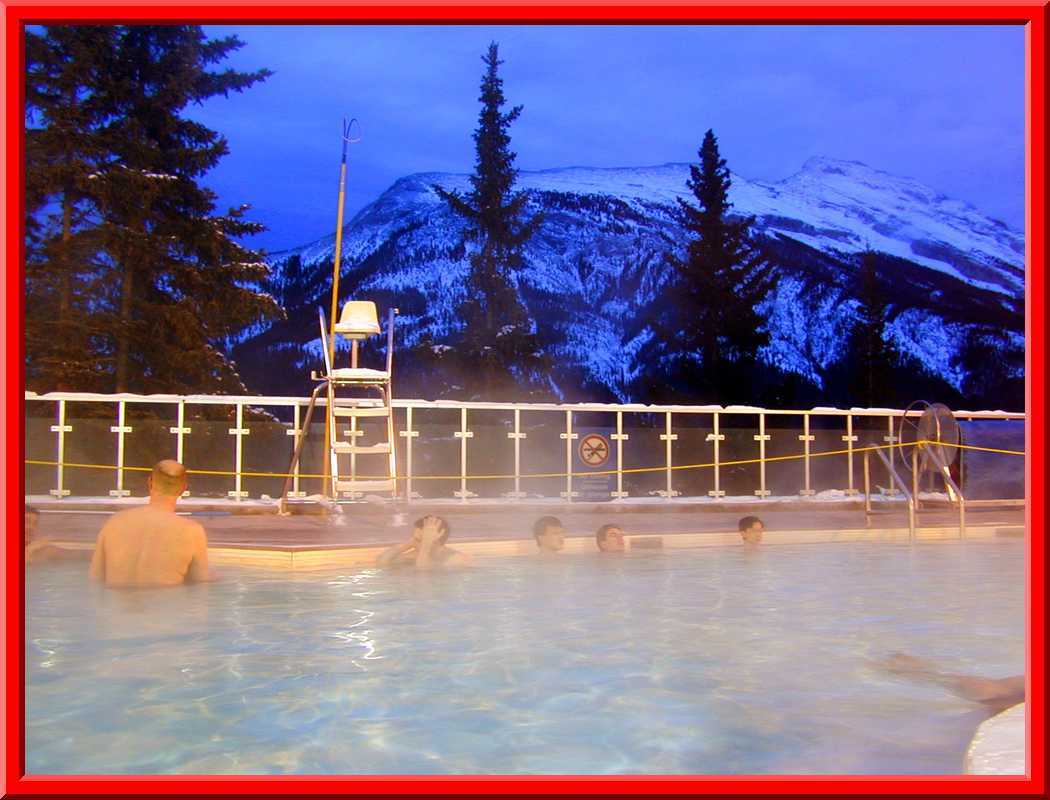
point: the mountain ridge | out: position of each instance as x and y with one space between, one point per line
596 263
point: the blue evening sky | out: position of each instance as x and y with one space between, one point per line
943 104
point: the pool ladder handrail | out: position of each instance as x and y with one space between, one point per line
949 481
912 496
888 463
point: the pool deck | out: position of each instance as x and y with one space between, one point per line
370 525
998 747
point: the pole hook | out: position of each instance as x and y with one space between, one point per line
348 127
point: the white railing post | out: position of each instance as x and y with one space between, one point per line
181 430
294 432
517 436
463 434
619 437
120 429
891 439
61 429
805 437
716 437
849 439
568 436
408 435
667 438
761 437
239 432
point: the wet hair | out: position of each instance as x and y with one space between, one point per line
539 527
443 527
603 531
747 522
168 477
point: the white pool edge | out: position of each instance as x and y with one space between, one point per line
998 747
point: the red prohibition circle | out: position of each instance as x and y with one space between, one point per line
594 450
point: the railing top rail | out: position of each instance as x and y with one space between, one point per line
634 408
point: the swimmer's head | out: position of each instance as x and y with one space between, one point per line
610 539
168 478
549 533
417 529
32 520
751 529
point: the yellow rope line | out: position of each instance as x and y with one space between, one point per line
988 449
534 475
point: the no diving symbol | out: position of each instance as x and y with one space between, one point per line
594 450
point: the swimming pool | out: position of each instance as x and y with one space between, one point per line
716 660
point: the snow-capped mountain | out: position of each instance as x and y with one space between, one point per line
596 263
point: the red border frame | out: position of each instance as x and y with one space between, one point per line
1033 14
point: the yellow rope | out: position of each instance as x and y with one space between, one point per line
535 475
988 449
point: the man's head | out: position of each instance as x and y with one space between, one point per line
550 535
32 520
610 539
417 529
168 479
751 529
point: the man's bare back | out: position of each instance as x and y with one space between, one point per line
151 545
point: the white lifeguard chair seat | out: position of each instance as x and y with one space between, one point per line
359 320
359 375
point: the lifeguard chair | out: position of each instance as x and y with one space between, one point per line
347 404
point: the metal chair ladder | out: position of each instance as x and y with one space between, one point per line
357 322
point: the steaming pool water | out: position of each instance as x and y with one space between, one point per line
720 660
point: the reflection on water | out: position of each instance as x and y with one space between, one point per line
722 660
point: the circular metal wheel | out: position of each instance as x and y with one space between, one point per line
937 428
908 435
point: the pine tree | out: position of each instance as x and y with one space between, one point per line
175 285
708 333
498 346
64 112
872 357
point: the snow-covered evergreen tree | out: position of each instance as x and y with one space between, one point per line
497 351
173 283
707 333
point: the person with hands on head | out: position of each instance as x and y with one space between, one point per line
425 548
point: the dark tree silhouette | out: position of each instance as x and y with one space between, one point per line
497 351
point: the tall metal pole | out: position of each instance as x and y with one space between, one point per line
329 421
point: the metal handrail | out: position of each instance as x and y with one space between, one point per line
888 463
299 442
946 474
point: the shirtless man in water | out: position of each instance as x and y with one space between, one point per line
151 545
426 547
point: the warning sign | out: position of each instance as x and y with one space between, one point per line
594 450
592 456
